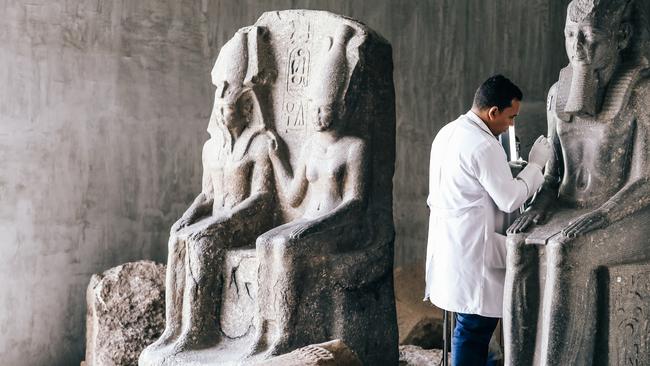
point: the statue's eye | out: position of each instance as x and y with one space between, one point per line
570 34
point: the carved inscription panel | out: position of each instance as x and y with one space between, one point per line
295 102
629 325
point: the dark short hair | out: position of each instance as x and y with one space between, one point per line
497 91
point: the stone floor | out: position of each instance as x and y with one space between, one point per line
417 356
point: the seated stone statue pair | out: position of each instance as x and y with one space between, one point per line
592 212
247 175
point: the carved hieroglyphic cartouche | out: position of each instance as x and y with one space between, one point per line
629 324
297 75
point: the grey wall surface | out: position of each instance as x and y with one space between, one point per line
103 110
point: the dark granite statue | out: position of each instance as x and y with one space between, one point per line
591 216
290 243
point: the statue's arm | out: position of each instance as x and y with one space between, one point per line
202 204
635 194
537 213
293 185
350 209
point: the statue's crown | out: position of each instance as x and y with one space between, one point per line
230 68
332 77
243 63
610 10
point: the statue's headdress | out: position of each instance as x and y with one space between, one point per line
331 78
243 63
598 10
230 68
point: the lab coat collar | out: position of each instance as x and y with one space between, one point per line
476 119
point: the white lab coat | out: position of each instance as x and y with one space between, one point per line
470 181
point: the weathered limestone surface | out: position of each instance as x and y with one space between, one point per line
290 241
125 313
589 224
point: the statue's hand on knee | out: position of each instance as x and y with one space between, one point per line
180 224
593 220
214 225
532 216
302 231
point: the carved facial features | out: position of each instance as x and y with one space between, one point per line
324 116
233 115
592 46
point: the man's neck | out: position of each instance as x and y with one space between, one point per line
481 115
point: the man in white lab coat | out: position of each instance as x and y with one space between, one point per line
470 181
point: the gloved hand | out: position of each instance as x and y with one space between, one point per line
540 152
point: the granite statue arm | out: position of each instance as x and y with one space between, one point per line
293 185
634 195
538 211
202 204
350 210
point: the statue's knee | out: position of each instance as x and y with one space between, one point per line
267 244
263 243
518 252
515 242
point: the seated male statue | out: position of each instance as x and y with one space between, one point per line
231 210
592 211
328 181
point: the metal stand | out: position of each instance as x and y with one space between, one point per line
445 338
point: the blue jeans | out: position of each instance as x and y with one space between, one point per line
469 343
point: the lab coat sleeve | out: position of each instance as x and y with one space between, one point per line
434 176
493 172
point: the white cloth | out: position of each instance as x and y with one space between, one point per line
469 182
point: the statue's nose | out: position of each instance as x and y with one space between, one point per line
580 44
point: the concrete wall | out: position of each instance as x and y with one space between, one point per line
103 107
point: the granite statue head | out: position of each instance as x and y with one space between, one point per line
243 65
599 36
327 108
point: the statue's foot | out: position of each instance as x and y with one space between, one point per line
164 340
260 339
156 350
279 347
190 341
258 346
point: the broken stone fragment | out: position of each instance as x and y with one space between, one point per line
416 356
125 313
332 353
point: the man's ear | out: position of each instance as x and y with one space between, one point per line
492 113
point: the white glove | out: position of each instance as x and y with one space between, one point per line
540 152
